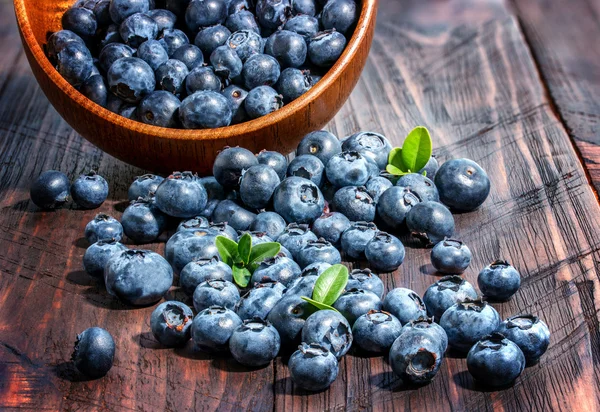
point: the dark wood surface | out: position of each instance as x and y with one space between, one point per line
465 69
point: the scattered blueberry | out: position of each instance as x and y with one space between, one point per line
495 361
89 191
270 223
355 203
186 246
321 144
463 185
421 185
181 195
318 251
98 254
330 227
94 352
530 333
313 367
446 292
212 328
427 325
258 301
215 292
50 190
298 200
451 256
277 269
373 146
366 280
376 186
431 222
255 343
275 160
329 329
288 317
308 167
229 165
103 227
354 240
142 221
203 270
171 323
228 211
416 356
354 303
257 186
395 204
347 169
385 252
404 304
499 280
376 331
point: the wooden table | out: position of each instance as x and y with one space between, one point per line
514 86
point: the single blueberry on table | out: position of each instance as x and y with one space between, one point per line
318 251
416 356
257 186
209 38
142 221
103 227
173 39
74 62
355 203
405 304
303 24
204 13
89 191
270 223
260 70
376 186
530 333
138 277
171 323
137 29
80 21
421 185
212 328
230 163
376 331
261 101
293 83
159 108
50 190
98 254
203 78
203 270
277 269
227 64
428 325
450 256
298 200
373 146
94 88
58 40
94 352
171 76
495 361
272 14
242 20
205 110
246 43
321 144
325 48
329 329
467 322
347 169
446 292
181 195
340 15
113 52
186 246
295 237
190 55
288 317
385 252
275 160
215 292
313 367
354 240
366 280
288 47
130 79
255 343
499 280
165 20
258 301
354 303
228 211
121 9
430 222
308 167
463 185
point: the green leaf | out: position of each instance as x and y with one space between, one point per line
244 248
227 248
264 251
416 149
393 170
424 173
395 158
330 284
241 276
319 305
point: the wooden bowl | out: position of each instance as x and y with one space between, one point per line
165 150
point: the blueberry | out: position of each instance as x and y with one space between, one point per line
193 223
427 325
205 109
321 144
260 70
94 88
209 38
499 280
246 43
288 47
270 223
404 304
324 48
165 20
303 24
89 191
446 292
272 14
347 169
421 185
305 284
101 10
190 55
467 322
376 186
98 254
50 190
293 83
202 78
230 212
298 200
261 101
94 352
181 195
258 301
188 245
354 240
171 323
373 146
137 29
329 329
318 251
416 356
257 237
277 269
213 188
80 21
450 256
495 361
340 15
138 277
304 7
295 237
129 111
159 108
74 63
130 79
355 203
171 76
354 303
108 35
430 168
212 328
203 13
235 6
330 227
58 40
376 331
142 221
121 9
226 62
242 20
530 333
274 159
288 317
203 270
173 39
463 185
254 343
215 292
366 280
431 222
229 165
385 252
103 227
313 367
113 52
308 167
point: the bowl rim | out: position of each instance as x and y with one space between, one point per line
368 13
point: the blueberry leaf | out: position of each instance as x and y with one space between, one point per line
330 284
227 248
319 305
241 275
244 248
263 251
395 159
416 149
393 170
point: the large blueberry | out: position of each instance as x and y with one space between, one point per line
246 43
228 211
89 191
330 227
230 163
367 280
203 78
421 185
355 203
203 13
318 251
373 146
450 256
257 186
258 301
272 14
137 29
354 303
376 331
159 108
495 361
74 63
209 38
394 205
226 62
80 21
425 324
188 245
173 39
171 76
255 343
94 352
340 15
215 292
416 356
113 52
270 223
261 101
293 83
288 47
530 333
404 304
94 88
308 167
305 25
103 227
467 322
324 48
277 269
288 317
499 280
348 169
463 185
295 237
164 19
274 159
190 55
321 144
385 252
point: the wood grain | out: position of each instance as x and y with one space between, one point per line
463 69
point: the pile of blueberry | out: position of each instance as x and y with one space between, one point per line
248 58
331 201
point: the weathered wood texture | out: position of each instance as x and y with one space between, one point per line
463 69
